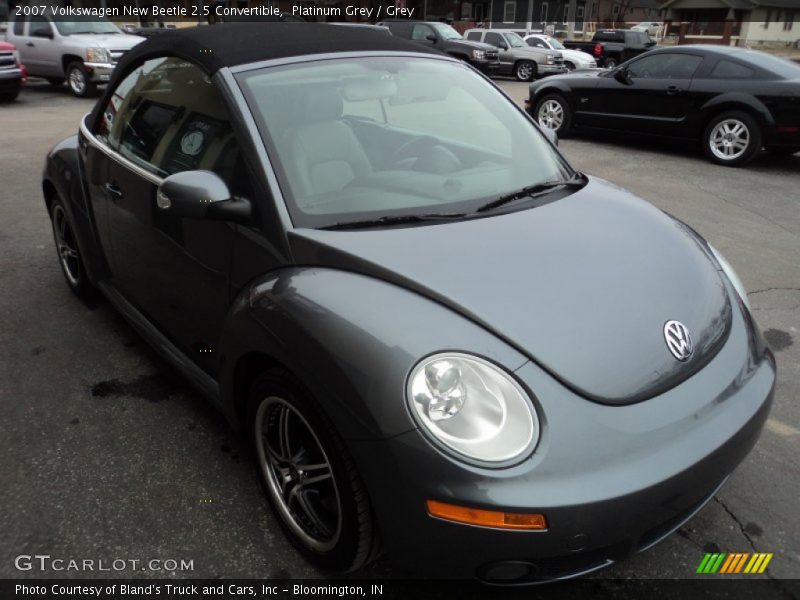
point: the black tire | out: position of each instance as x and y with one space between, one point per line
783 150
569 65
273 394
525 70
724 134
610 63
563 129
10 97
55 81
69 256
78 81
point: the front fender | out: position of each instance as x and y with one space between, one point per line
63 178
351 339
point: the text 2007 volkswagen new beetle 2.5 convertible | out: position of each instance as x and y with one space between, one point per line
442 341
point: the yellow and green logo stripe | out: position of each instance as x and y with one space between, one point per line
734 562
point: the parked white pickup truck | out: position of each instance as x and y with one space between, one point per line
82 52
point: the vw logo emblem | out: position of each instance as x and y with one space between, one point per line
679 342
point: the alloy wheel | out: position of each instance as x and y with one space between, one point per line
298 474
77 81
66 246
524 71
729 139
551 115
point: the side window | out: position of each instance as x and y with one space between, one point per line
536 43
18 27
167 116
495 39
665 66
421 32
475 36
40 24
726 69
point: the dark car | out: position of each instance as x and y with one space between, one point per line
610 47
13 74
495 365
443 37
733 101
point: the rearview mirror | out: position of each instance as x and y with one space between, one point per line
43 32
201 195
623 75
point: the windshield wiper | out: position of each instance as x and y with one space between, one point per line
531 191
395 220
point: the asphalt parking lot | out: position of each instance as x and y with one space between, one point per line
105 453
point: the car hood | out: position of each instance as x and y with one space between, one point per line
583 286
577 55
110 41
5 46
472 45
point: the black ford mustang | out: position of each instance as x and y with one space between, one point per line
735 101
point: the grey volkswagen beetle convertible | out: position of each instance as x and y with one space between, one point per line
442 341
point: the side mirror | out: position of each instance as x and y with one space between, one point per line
623 75
201 195
550 135
431 38
502 46
43 32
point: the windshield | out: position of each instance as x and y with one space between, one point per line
446 31
392 136
515 41
96 25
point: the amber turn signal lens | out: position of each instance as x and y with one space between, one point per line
486 518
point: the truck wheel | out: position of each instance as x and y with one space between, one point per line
55 81
308 476
79 83
553 112
610 63
569 65
525 70
9 97
732 139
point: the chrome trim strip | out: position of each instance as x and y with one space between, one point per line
151 177
290 60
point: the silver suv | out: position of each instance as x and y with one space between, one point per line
516 57
82 52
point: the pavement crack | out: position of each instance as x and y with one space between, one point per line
774 289
738 523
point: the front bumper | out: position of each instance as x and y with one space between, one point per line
99 72
611 480
11 80
552 69
488 67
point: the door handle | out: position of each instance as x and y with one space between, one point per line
31 44
672 90
113 191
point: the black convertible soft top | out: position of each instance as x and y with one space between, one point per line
217 46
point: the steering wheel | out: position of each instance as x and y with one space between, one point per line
413 148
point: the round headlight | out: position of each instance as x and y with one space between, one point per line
472 407
731 275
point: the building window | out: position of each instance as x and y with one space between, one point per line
615 11
543 16
787 24
509 12
566 13
580 12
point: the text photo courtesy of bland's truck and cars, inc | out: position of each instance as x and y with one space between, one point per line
218 10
